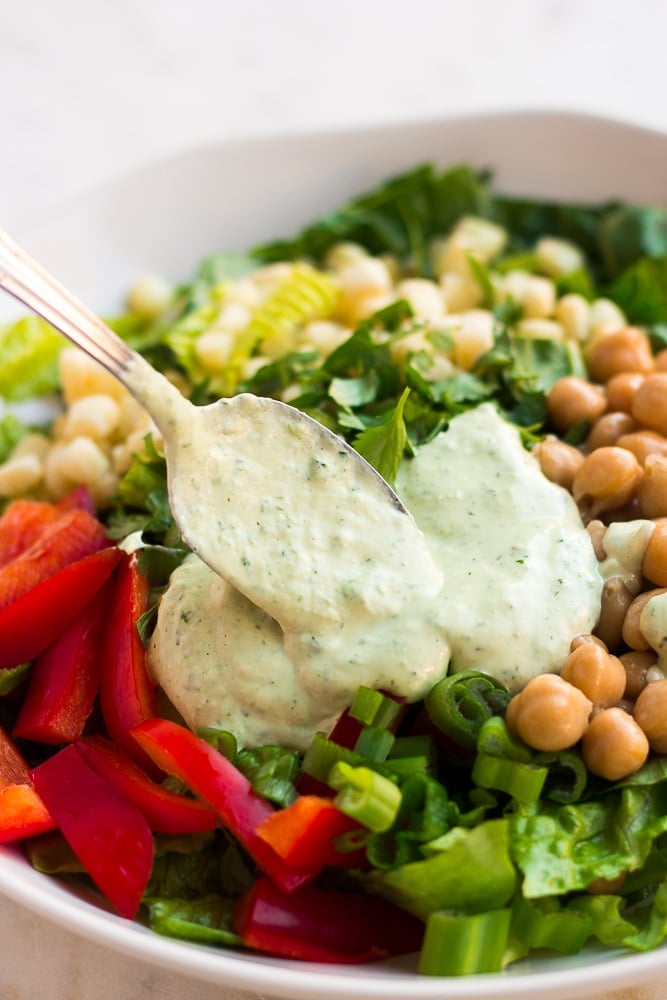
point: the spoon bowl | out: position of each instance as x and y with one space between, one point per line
275 503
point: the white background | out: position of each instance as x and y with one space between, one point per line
90 89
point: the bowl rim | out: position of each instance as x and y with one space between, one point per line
274 976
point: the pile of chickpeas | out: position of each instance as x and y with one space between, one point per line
611 693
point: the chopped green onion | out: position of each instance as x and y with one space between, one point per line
372 708
403 768
272 771
459 945
223 741
567 777
280 791
323 753
496 740
460 703
523 782
365 795
413 746
412 755
374 742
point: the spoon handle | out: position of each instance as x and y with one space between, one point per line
28 282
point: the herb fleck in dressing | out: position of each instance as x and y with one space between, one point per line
517 578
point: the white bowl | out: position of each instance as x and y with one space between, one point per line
165 218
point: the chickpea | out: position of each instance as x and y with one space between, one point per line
661 360
572 400
654 562
652 487
550 713
621 390
587 639
597 530
616 599
608 428
606 480
643 443
594 671
614 745
558 460
649 406
511 712
637 665
632 635
624 350
650 714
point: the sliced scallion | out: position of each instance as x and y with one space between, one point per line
372 708
374 742
523 782
461 702
365 795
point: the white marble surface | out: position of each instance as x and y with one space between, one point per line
90 89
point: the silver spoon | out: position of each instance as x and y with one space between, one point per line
264 494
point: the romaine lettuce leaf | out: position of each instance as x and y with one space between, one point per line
207 920
563 849
471 872
29 348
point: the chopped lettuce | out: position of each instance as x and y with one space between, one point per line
11 432
207 920
383 445
471 872
29 348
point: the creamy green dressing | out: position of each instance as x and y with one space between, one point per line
653 626
624 544
512 578
293 518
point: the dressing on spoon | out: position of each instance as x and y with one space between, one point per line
276 504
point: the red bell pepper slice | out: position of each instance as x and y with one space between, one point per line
21 524
22 812
13 767
70 537
31 622
323 925
127 694
304 833
106 831
166 812
64 679
228 792
78 499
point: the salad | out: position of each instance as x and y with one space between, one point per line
496 815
